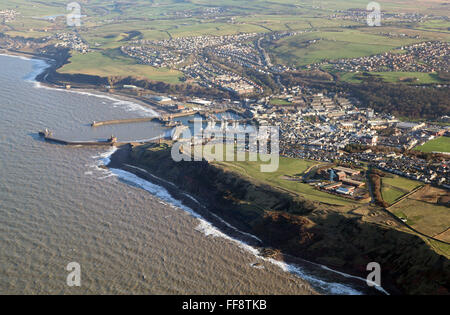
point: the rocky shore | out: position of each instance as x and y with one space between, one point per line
291 229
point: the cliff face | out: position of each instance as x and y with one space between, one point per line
304 229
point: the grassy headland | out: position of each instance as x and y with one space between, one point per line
298 226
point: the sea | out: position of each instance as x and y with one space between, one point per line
59 205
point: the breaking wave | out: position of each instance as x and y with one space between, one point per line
40 65
208 229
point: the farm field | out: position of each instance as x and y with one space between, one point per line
314 47
395 187
426 210
428 218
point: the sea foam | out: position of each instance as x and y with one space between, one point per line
208 229
40 65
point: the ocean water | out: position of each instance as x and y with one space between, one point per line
130 236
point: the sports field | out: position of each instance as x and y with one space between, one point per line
441 144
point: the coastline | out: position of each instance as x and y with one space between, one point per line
325 279
54 64
291 232
150 178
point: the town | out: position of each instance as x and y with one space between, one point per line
330 128
210 60
421 57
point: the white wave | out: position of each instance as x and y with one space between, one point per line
208 229
379 288
107 176
39 65
105 157
331 287
223 221
102 159
118 103
154 176
196 201
14 56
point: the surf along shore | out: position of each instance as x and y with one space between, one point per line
290 229
49 77
278 225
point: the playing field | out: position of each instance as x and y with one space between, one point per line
441 144
278 102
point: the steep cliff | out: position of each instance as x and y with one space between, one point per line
295 226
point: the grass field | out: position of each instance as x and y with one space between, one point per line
330 45
101 64
395 187
441 144
287 167
428 218
278 102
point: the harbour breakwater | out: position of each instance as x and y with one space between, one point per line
126 121
47 136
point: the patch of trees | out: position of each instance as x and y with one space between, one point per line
300 77
375 183
403 100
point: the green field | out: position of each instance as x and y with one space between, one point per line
430 219
441 144
330 45
278 102
287 167
101 64
396 187
105 25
